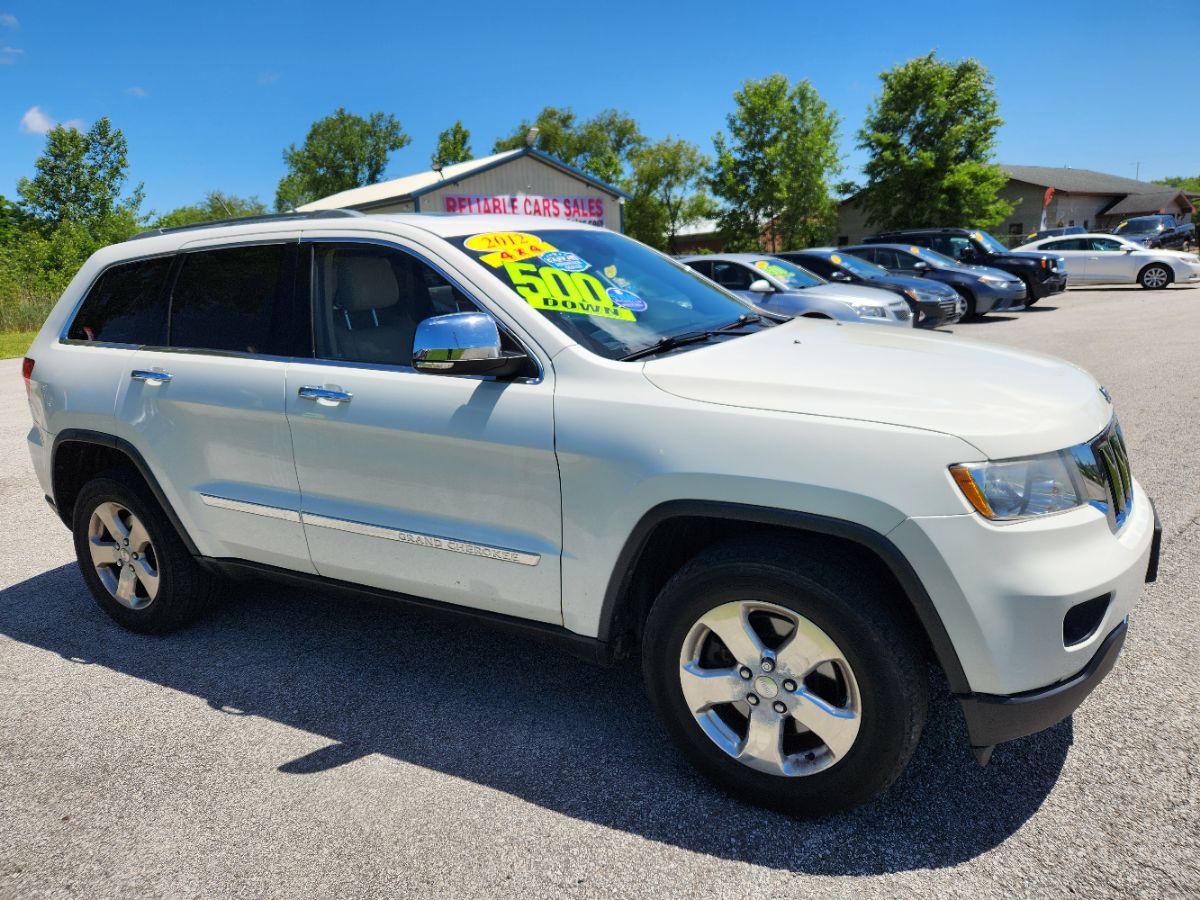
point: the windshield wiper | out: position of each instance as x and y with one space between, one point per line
670 342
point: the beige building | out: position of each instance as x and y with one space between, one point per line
1081 197
524 181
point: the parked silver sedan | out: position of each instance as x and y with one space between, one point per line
1111 259
778 286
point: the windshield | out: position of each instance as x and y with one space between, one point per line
859 267
609 293
992 245
935 259
794 277
1139 226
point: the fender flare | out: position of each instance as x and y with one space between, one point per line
99 438
868 538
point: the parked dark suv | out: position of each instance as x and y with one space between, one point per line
1157 231
1041 272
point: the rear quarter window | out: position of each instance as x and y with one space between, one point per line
126 305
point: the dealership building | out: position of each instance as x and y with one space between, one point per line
524 182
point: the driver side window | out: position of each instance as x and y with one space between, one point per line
368 301
732 276
1105 245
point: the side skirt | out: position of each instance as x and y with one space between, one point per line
588 649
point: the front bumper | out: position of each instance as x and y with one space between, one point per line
1051 284
935 313
995 718
994 298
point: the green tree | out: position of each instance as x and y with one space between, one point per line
341 151
453 146
1191 185
667 187
79 178
775 167
601 146
215 205
931 137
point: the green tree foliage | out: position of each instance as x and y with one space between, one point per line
601 146
775 166
667 184
453 146
80 178
215 205
1191 185
71 208
931 136
341 151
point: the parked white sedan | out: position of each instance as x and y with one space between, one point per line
1111 259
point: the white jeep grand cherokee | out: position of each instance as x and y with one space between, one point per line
559 430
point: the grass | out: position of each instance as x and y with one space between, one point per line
15 343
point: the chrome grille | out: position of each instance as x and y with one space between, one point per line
1104 465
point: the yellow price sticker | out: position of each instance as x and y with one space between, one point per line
548 288
836 260
762 264
501 247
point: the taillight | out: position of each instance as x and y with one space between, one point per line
26 373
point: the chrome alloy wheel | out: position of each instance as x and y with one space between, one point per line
770 688
1155 277
123 555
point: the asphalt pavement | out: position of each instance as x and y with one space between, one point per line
296 745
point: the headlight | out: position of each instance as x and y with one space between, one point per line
874 312
994 281
1021 488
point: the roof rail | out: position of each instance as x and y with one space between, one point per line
251 220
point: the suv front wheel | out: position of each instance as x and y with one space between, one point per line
784 677
132 560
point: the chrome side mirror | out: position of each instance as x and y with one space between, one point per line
464 344
761 286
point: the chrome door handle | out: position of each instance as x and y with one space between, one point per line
313 392
150 376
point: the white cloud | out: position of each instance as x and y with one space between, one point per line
136 91
9 55
37 121
8 20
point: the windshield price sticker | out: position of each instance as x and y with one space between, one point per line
565 260
548 288
762 264
837 260
503 247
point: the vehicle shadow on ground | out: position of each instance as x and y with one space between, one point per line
531 721
989 319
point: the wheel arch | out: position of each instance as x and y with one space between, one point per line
673 532
1162 264
78 455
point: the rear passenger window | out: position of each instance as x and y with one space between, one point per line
126 305
234 299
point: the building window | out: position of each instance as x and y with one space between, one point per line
1016 228
1072 222
843 240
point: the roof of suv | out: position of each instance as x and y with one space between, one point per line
441 224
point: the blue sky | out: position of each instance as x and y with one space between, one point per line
209 94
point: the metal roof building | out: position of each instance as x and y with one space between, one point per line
523 181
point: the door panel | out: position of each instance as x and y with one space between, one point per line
216 431
437 486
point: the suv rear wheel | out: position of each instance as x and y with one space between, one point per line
134 563
784 678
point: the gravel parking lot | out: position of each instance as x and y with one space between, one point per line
297 745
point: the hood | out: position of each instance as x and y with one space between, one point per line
980 271
842 293
1006 402
904 282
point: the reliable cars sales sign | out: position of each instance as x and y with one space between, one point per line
577 209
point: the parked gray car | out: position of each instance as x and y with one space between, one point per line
778 286
983 288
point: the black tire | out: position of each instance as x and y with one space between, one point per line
184 589
1031 295
1147 277
969 299
861 617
